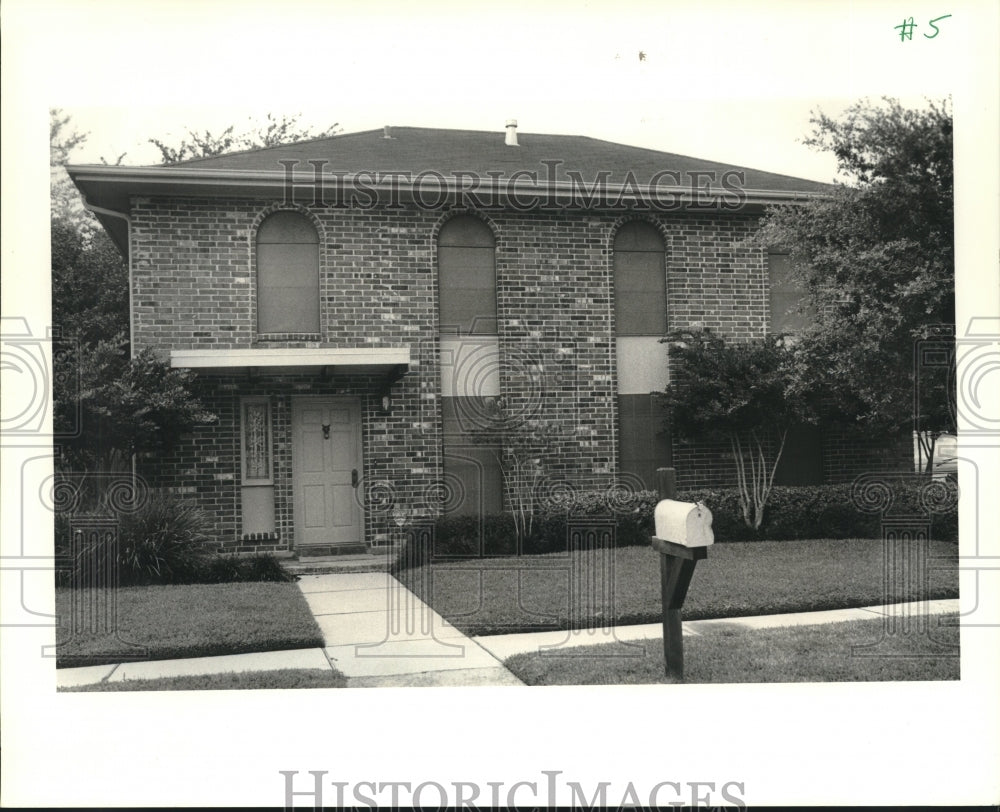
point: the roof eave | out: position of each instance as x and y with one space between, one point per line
111 187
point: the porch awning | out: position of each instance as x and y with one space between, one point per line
388 360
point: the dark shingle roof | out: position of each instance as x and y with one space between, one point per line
418 149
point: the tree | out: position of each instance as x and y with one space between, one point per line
89 285
743 394
109 406
521 446
66 206
277 131
876 260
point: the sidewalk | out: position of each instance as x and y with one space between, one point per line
503 646
379 634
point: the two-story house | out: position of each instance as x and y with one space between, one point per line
354 306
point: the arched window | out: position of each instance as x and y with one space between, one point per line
467 278
640 293
287 274
640 281
470 363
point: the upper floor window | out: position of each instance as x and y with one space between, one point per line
287 274
788 315
467 278
640 281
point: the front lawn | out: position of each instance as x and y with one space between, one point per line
531 593
190 620
854 651
249 680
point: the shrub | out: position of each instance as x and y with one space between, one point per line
162 542
821 511
166 541
803 512
632 512
465 537
494 535
233 568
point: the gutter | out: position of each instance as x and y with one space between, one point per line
373 181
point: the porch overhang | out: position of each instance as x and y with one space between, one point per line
390 362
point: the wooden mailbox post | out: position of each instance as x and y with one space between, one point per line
678 557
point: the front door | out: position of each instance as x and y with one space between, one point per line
326 468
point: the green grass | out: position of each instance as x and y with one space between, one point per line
191 620
231 681
727 654
498 596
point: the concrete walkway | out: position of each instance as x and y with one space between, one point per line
379 634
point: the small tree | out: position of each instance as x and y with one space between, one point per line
110 407
742 393
522 447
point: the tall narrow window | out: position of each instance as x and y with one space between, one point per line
640 294
788 314
640 281
467 279
470 354
287 274
256 470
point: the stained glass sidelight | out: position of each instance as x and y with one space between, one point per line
255 442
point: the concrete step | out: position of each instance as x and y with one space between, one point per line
325 564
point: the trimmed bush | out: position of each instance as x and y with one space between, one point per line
632 512
493 535
792 513
233 568
457 537
825 511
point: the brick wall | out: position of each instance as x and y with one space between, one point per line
848 454
194 288
400 453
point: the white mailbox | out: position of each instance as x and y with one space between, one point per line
686 523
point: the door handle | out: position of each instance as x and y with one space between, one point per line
354 478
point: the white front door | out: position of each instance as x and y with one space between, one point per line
326 468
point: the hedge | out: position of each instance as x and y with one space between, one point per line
805 512
826 511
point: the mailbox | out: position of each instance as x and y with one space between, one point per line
686 523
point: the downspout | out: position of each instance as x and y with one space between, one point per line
128 225
131 344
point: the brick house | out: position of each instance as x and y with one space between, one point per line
353 305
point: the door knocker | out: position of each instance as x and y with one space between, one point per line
326 431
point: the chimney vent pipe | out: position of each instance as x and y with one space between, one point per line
511 133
